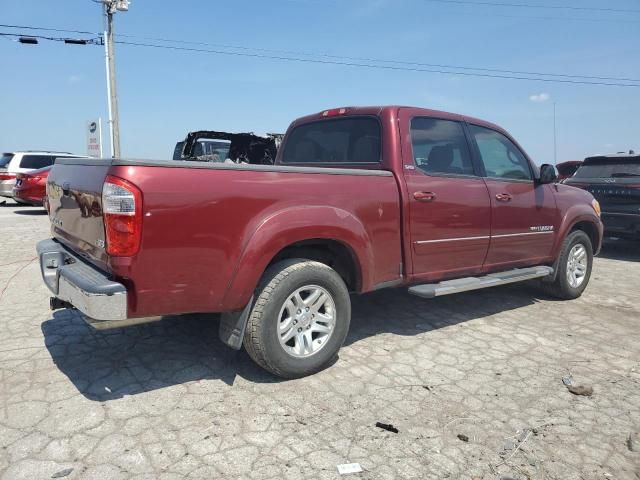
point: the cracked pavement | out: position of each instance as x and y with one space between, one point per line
473 383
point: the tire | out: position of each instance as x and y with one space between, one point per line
562 286
311 348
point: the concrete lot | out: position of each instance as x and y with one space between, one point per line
472 382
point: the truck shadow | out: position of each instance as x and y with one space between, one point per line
32 211
620 249
111 364
395 311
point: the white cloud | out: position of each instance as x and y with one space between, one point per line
73 78
539 97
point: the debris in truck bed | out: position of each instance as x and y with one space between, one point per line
388 427
463 437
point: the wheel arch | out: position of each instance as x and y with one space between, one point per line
329 235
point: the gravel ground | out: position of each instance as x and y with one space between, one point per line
472 382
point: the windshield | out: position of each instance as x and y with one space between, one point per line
5 159
609 170
216 151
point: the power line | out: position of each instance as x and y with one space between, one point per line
529 5
371 63
44 29
345 57
373 66
380 60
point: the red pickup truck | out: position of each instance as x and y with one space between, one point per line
358 199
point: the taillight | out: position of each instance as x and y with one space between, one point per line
7 176
122 209
334 112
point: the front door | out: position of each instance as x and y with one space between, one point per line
449 206
524 215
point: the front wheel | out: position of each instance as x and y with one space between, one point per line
300 318
574 267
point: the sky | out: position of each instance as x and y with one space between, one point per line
49 91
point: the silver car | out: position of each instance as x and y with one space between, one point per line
12 163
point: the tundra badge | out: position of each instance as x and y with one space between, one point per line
542 228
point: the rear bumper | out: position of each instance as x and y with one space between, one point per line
6 188
33 196
80 284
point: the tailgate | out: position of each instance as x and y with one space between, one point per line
74 190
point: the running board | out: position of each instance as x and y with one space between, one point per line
430 290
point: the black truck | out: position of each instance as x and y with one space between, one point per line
614 180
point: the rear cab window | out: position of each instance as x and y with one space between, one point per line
5 160
440 147
354 140
36 161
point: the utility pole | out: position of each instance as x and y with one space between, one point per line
110 7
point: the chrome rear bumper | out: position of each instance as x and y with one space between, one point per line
80 284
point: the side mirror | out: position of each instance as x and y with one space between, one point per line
547 174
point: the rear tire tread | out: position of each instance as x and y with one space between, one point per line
271 279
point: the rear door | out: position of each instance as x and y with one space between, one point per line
449 207
524 217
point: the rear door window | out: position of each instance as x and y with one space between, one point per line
353 140
440 147
5 159
609 169
500 156
36 161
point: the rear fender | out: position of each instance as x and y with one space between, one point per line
290 226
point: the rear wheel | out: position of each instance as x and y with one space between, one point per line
574 267
299 320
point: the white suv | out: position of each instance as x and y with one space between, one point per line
12 163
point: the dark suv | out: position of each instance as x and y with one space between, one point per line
614 180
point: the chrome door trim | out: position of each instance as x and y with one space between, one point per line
484 237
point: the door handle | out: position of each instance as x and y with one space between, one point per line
424 196
503 197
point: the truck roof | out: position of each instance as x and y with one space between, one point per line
378 110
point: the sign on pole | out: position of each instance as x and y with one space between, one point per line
94 138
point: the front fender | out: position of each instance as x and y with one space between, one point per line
289 226
573 215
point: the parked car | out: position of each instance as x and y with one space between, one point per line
567 169
30 187
13 163
614 180
225 147
359 199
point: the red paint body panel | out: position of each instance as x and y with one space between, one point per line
32 188
513 243
208 233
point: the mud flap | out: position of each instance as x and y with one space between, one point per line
232 326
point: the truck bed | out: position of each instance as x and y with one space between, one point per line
199 220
